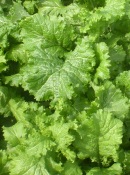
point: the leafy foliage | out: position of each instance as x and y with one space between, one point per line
64 87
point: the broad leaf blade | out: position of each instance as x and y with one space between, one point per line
49 77
115 169
96 137
71 169
111 99
25 164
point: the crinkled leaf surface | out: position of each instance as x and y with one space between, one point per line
17 12
99 137
46 32
102 71
14 134
114 9
17 53
111 99
28 165
71 168
5 95
46 75
64 87
117 57
127 162
123 81
4 22
3 163
115 169
3 66
55 7
43 139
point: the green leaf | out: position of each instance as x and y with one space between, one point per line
113 9
49 77
115 169
15 134
123 82
5 26
117 57
3 163
126 136
55 7
26 164
99 137
51 5
60 134
8 22
127 6
17 53
45 32
52 165
64 94
3 66
126 162
18 109
110 98
71 169
99 19
102 72
39 143
17 12
62 137
30 6
5 95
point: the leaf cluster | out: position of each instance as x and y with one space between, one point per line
64 87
